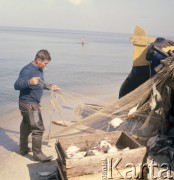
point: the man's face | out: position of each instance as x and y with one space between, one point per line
41 64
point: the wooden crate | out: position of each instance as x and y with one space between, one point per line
76 167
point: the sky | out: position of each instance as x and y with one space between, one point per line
155 16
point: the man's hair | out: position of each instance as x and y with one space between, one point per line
43 54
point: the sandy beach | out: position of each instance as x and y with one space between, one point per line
15 166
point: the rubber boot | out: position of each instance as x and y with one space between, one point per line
24 149
24 133
38 155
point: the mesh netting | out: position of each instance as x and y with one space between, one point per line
142 112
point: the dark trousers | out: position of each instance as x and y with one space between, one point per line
31 123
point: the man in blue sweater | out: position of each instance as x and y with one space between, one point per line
30 83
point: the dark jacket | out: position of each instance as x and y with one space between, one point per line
29 93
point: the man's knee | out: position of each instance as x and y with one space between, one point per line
37 133
25 128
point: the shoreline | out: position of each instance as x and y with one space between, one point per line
98 93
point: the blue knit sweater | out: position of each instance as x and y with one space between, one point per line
29 93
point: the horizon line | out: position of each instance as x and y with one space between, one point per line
58 29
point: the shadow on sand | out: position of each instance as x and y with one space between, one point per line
38 168
7 142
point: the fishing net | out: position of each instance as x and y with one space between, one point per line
142 112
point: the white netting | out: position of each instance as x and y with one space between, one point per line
142 111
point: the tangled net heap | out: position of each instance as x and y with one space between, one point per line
151 101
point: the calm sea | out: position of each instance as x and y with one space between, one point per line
97 68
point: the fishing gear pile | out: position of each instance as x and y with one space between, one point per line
141 112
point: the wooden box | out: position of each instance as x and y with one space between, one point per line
91 165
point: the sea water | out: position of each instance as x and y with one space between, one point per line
97 67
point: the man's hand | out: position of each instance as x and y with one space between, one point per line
54 88
34 81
